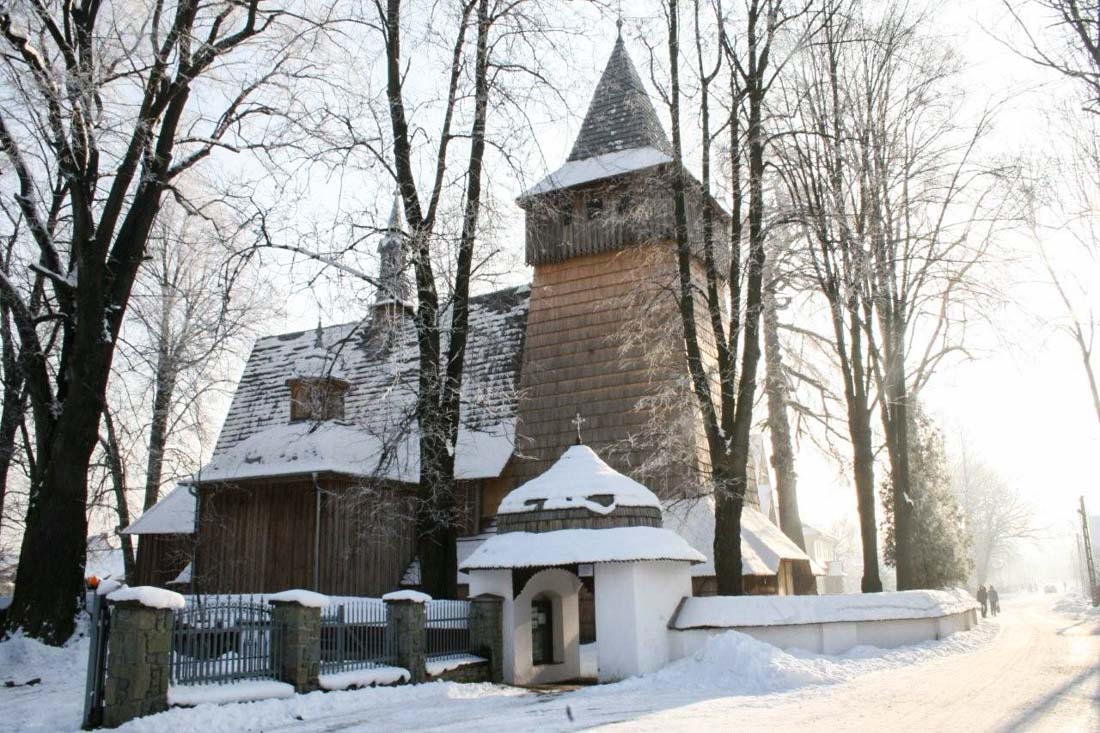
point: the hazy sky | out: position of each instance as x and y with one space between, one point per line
1022 405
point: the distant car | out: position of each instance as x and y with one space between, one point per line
1050 589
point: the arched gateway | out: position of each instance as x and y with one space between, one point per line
582 512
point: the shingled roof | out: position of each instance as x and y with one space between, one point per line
381 397
620 115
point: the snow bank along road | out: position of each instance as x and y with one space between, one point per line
1033 669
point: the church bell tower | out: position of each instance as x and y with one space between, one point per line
603 334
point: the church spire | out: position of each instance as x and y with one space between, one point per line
620 115
393 285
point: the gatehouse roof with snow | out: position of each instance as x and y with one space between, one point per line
580 546
580 479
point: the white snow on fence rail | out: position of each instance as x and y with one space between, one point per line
740 611
436 667
368 677
192 695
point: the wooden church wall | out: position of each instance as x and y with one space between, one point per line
578 357
260 538
161 558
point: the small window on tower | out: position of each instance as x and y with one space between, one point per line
317 399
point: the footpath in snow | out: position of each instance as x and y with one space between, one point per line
731 665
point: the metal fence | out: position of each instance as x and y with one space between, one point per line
99 627
447 631
353 636
223 639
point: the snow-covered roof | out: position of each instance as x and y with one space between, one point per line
574 546
338 447
173 514
736 611
381 397
319 362
763 544
576 172
573 481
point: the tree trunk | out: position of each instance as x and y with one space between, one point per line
895 421
779 428
158 428
11 415
860 430
50 576
118 483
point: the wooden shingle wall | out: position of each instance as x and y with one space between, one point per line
579 356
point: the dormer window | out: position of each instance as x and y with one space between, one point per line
317 399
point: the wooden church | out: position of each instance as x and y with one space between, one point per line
312 481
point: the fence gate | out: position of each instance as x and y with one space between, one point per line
99 628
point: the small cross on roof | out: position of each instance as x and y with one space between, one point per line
577 422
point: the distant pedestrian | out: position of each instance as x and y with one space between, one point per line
994 601
983 598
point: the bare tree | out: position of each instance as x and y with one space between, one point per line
726 403
1071 44
98 124
997 515
901 212
489 43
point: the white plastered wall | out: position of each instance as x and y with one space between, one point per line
563 590
634 602
834 637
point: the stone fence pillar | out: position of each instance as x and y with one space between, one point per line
296 622
138 653
487 632
406 620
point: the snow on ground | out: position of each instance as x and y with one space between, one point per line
1076 605
56 702
731 666
733 669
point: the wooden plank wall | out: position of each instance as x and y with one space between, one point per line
258 537
161 558
367 538
577 356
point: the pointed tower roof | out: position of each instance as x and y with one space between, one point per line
620 133
620 115
393 284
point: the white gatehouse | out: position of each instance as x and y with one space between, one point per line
581 513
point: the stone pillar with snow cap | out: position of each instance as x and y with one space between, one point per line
296 622
406 620
138 653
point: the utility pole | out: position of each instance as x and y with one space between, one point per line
1094 587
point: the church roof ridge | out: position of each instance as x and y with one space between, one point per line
620 114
